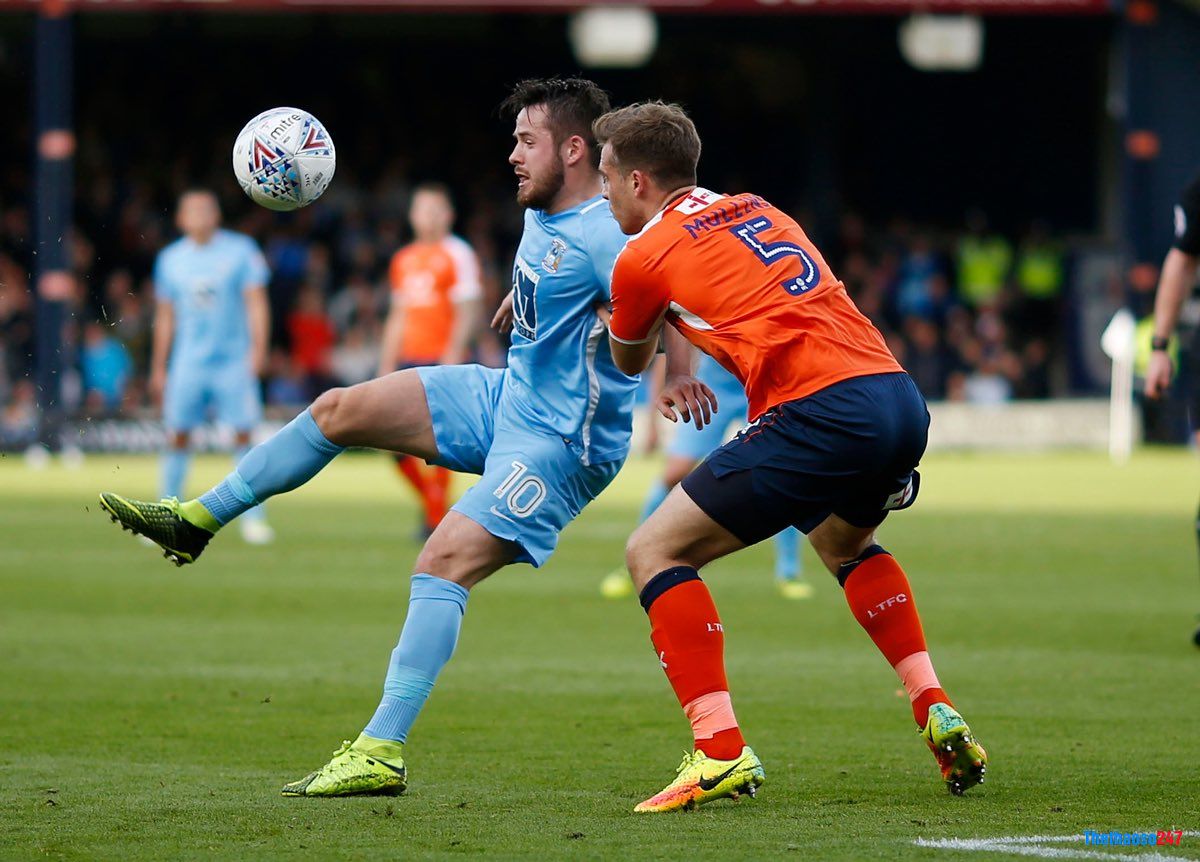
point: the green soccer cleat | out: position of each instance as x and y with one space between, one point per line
962 760
702 779
358 768
164 523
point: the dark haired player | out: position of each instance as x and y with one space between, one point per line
546 435
1174 286
836 433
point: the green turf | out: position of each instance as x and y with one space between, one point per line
153 712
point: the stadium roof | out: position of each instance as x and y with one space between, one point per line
767 7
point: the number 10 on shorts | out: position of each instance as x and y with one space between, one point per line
525 492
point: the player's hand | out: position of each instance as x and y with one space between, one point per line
694 401
502 321
258 363
603 312
1158 374
158 383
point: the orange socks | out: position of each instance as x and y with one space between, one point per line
437 489
881 600
690 642
431 483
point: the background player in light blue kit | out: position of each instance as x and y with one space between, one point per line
691 445
211 327
547 434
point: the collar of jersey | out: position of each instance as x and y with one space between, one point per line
541 215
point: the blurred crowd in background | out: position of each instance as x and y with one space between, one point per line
973 314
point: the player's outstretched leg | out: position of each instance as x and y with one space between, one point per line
387 413
255 529
285 461
373 764
881 599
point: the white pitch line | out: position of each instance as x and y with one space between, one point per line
1029 845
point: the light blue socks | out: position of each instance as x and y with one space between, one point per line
258 513
173 471
435 612
787 554
284 462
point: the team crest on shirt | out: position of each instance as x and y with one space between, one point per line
554 256
1180 222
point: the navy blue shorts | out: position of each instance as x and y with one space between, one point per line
850 450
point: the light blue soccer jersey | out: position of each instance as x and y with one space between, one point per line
205 284
561 375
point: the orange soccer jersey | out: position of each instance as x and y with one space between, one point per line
742 282
427 279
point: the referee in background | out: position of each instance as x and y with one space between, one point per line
1174 286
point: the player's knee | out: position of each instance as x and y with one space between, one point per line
640 554
333 412
451 561
836 554
179 440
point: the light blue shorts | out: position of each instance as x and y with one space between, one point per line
230 390
731 407
532 484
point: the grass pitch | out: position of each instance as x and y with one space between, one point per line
149 712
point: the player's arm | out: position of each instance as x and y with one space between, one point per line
682 391
393 336
393 326
1178 275
164 335
467 296
258 316
639 303
466 319
258 310
502 320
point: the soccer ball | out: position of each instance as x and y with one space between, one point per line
284 159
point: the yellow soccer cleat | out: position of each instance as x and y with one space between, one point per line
616 584
962 760
365 767
702 779
169 524
795 589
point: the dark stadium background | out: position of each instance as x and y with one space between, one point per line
818 112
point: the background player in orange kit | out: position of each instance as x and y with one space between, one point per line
837 430
435 309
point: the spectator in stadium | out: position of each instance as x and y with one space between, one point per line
1179 273
1039 275
984 261
106 368
312 337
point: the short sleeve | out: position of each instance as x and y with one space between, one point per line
466 284
163 289
396 274
255 272
1187 219
639 300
